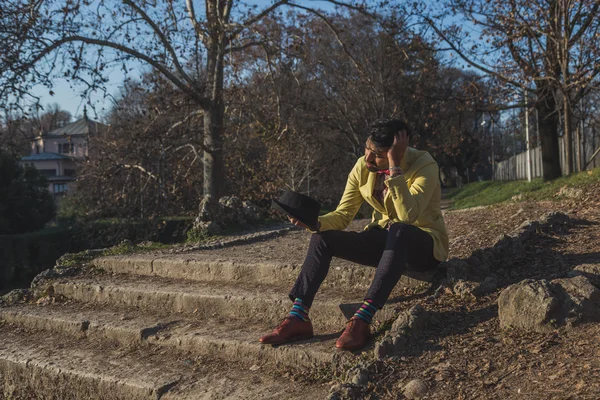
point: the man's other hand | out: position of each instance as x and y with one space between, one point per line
297 223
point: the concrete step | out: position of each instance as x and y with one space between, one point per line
244 301
208 267
44 365
230 340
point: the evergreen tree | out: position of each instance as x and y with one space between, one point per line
25 203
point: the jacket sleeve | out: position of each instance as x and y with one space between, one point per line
409 202
349 205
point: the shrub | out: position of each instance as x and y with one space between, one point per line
25 203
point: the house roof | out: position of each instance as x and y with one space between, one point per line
45 157
81 127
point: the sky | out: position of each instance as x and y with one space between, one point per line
69 98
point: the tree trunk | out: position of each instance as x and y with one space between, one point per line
214 171
567 136
214 177
548 129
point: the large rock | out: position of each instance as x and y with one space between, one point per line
583 298
415 319
209 209
529 305
232 211
555 218
590 271
216 215
397 338
541 305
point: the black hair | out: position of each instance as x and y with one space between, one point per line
382 132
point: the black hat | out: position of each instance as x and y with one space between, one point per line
305 209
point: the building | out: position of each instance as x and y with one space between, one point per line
56 153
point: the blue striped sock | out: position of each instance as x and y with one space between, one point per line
366 311
299 310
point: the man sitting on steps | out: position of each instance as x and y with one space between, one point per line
402 185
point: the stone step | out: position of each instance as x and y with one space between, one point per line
44 365
230 340
244 302
207 267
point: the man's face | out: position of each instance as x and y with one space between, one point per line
376 158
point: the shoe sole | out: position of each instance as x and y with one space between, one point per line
351 349
296 339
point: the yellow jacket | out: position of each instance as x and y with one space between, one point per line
412 198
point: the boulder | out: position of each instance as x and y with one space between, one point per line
555 218
397 338
583 298
251 212
215 216
415 319
384 347
542 306
231 212
590 271
209 209
529 305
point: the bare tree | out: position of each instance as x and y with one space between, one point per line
545 49
145 164
186 41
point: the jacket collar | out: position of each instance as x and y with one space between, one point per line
366 190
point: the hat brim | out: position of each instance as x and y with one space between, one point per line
312 225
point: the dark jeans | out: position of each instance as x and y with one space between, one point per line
388 250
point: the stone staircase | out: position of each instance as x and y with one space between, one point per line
182 326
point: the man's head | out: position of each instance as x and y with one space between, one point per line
381 138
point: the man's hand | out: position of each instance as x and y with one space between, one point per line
396 152
297 223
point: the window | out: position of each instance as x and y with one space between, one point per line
64 148
69 172
37 149
60 189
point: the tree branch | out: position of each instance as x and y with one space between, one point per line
586 24
259 16
341 42
185 119
472 63
194 21
202 101
162 38
135 166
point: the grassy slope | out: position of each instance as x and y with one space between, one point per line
493 192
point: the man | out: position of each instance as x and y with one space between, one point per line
402 185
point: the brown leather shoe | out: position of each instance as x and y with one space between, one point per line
355 336
290 330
